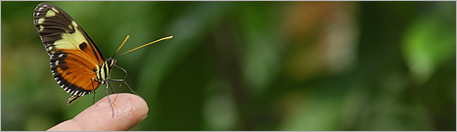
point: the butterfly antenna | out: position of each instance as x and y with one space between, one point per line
125 40
169 37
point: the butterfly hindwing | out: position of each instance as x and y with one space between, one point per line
75 59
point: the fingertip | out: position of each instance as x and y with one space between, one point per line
129 110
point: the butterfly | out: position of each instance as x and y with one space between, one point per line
76 62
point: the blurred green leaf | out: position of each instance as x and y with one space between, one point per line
259 43
429 42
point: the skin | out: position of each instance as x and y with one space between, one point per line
129 110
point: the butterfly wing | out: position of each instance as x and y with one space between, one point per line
75 59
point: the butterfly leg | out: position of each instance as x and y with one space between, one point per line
93 99
93 87
123 80
107 94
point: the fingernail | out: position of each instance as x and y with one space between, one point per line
142 118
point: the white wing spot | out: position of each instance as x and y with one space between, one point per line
60 55
41 8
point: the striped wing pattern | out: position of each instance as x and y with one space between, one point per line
74 58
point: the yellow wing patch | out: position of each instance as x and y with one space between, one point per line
71 40
51 12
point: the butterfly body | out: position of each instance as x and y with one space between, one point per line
76 62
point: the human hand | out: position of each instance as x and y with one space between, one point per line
129 110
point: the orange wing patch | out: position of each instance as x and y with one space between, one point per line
74 72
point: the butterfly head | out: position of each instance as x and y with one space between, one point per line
110 62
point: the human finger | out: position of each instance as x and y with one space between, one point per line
129 110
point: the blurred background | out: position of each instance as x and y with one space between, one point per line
250 65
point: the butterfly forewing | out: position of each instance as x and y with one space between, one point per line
59 31
75 59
